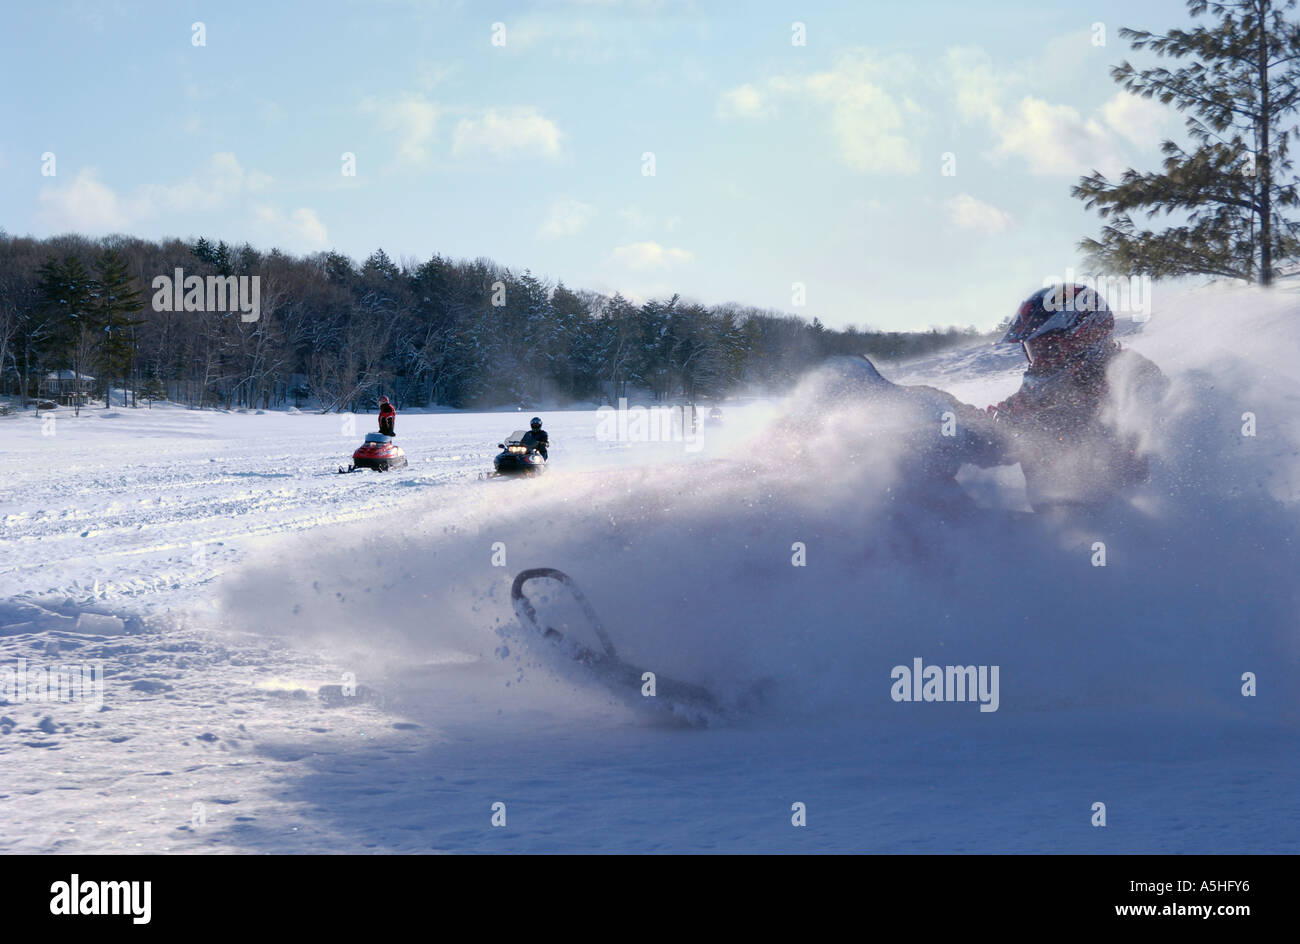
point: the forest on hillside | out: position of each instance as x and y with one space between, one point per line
333 334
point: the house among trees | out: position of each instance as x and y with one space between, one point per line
60 386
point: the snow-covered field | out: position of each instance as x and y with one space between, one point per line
229 582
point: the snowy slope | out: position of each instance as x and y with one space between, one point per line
1119 684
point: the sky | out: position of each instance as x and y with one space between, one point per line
907 165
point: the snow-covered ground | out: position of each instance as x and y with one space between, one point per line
231 584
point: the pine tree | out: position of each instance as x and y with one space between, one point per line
221 258
68 294
117 300
202 250
1240 87
152 388
338 267
379 266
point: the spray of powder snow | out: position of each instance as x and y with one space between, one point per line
691 565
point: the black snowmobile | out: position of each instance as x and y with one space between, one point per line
518 456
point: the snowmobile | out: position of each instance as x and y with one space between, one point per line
715 417
378 452
517 457
685 701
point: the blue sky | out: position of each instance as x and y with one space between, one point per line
775 163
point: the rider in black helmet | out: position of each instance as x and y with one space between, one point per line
536 437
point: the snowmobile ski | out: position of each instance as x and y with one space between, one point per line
692 703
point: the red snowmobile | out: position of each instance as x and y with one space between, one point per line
378 452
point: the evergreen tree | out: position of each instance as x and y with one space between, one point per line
221 258
379 266
203 251
338 268
249 259
152 388
68 294
1240 85
117 301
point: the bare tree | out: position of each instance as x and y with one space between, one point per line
342 374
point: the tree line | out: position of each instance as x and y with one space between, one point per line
333 334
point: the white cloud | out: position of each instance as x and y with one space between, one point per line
413 121
586 36
300 230
85 205
1143 122
307 223
506 132
500 132
566 218
977 88
965 212
1052 139
869 123
1056 139
90 206
649 255
744 101
636 218
217 182
640 221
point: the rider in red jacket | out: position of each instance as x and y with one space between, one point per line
387 417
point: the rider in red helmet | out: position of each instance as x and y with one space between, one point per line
387 417
1061 425
1068 336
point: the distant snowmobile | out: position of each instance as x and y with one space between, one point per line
518 456
378 452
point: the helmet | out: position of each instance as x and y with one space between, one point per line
1061 323
383 399
535 422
